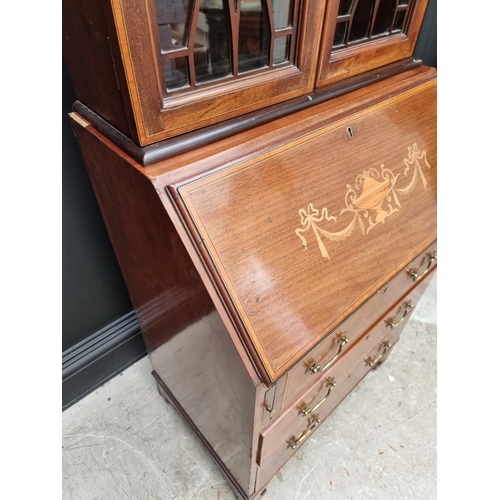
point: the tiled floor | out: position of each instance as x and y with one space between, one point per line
124 442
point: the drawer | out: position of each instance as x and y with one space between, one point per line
331 350
280 439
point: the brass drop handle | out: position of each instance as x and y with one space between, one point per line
393 324
315 368
313 422
306 411
415 275
377 360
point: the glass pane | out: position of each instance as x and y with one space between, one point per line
176 72
172 18
398 24
212 53
340 32
361 20
385 13
281 14
254 36
345 7
281 47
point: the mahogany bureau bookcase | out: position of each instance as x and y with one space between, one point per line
267 172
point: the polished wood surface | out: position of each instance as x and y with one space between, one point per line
374 310
185 336
222 154
169 148
363 193
131 26
90 56
342 63
245 257
351 369
278 437
165 393
112 50
368 341
273 401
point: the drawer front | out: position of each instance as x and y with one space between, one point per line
299 420
336 345
281 441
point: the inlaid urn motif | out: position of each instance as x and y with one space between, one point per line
372 200
373 194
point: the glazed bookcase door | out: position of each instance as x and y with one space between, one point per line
360 35
192 63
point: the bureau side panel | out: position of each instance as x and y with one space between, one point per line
189 346
94 68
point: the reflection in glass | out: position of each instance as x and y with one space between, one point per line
202 41
212 53
172 18
281 13
398 23
254 36
281 48
361 20
383 19
176 72
340 32
345 7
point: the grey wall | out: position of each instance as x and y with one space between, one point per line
94 292
426 48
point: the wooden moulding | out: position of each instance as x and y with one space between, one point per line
179 226
91 56
132 26
154 153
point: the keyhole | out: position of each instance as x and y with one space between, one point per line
350 132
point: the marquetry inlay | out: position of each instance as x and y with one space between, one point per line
373 198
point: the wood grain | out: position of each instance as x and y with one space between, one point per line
169 148
340 371
374 310
274 451
112 51
156 119
232 307
89 54
276 438
185 336
279 290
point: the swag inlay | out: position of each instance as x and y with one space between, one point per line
373 198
